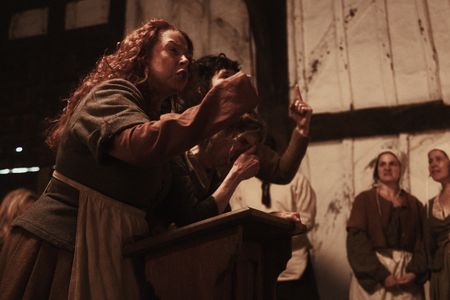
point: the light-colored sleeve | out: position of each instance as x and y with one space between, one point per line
236 201
304 200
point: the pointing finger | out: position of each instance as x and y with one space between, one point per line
298 94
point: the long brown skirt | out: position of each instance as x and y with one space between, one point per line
31 268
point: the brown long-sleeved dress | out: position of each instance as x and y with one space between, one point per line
376 225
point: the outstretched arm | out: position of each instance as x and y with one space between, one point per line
282 169
156 141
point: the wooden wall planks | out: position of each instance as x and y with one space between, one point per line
362 53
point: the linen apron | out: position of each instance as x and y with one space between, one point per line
104 225
396 265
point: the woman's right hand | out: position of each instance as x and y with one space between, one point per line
390 281
293 217
246 165
300 112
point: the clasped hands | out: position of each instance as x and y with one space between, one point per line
393 281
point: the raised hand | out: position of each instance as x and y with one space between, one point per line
300 112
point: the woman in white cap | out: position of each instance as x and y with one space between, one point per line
438 223
384 236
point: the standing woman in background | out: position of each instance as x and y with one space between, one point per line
384 236
112 168
438 224
15 203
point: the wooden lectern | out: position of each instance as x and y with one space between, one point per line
236 255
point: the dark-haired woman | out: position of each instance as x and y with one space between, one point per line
210 71
113 147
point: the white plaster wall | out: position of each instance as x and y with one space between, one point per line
330 172
369 53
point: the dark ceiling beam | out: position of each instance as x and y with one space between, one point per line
56 18
5 19
116 21
19 6
268 27
413 118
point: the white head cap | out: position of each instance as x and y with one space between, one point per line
444 147
401 157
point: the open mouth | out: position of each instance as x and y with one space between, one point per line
181 74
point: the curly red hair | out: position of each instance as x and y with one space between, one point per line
129 61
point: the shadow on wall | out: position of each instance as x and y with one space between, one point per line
332 281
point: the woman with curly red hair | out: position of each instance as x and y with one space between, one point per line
112 168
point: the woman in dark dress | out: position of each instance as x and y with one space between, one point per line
438 223
112 168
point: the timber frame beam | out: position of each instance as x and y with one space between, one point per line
413 118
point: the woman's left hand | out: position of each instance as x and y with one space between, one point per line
246 165
300 112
